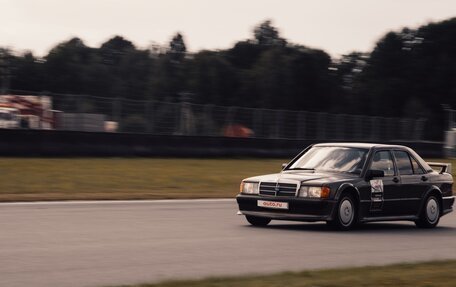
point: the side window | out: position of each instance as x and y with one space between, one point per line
382 161
416 167
404 165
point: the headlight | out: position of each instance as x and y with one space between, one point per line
314 191
249 187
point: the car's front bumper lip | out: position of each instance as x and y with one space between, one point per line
300 209
286 216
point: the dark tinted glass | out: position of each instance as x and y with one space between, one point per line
416 167
403 162
382 161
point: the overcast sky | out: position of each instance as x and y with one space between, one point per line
337 26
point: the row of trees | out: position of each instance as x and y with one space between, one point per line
409 73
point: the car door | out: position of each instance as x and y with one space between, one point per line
413 184
383 189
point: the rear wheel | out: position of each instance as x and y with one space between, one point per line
257 221
346 214
430 215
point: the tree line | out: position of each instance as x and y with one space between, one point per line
409 73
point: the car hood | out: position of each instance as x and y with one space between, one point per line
303 176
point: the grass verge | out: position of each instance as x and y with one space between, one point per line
31 179
438 274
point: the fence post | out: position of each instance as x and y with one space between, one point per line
230 116
117 112
389 128
149 117
354 129
403 128
186 120
358 126
208 120
419 127
278 123
373 128
301 125
410 128
257 123
341 126
321 126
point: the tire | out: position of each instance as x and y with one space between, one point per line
346 214
257 221
430 214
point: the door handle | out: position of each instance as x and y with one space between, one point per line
424 178
396 180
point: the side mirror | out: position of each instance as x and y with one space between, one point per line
284 165
373 173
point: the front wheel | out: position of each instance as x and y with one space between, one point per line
430 215
346 215
257 221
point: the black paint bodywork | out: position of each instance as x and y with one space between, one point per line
403 196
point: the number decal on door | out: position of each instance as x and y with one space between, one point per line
376 194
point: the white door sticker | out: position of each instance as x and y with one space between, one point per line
376 186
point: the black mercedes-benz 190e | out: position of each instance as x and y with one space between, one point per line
348 183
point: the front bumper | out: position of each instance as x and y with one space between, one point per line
300 209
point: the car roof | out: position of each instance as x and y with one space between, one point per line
361 145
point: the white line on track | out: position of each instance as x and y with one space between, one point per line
69 202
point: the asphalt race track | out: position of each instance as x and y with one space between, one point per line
112 243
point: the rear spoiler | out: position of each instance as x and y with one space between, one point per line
443 166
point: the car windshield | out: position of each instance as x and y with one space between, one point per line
328 158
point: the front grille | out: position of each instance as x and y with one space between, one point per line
285 189
267 188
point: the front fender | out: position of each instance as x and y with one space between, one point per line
343 187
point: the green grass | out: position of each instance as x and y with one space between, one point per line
29 179
438 274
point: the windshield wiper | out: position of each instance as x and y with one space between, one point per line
301 168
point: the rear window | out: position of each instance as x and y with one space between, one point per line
404 165
416 167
